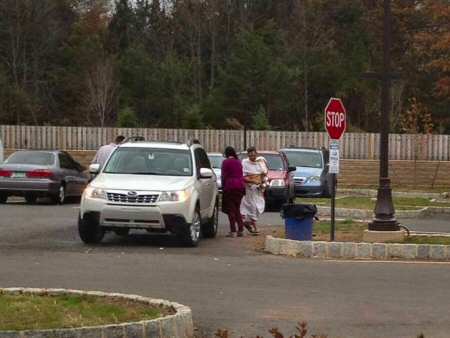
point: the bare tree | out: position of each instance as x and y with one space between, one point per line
102 89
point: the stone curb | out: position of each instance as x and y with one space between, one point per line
179 325
350 250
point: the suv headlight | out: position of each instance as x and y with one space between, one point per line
313 179
174 196
277 183
92 192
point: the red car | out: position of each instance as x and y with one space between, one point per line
281 187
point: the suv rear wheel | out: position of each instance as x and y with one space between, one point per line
191 235
122 232
3 198
90 231
209 230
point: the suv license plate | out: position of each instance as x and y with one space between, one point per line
18 175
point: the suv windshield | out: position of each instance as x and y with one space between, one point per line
216 161
298 158
150 161
31 157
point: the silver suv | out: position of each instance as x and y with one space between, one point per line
159 187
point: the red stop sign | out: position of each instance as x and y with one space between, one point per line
335 118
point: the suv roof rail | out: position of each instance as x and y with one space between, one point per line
136 138
193 141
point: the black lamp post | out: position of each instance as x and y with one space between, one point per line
384 210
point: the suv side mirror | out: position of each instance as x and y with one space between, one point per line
94 168
291 169
206 173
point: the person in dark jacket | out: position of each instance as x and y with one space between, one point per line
233 191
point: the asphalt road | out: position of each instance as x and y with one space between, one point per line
226 282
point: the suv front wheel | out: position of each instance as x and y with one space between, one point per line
192 233
90 230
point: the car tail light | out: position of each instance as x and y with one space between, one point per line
5 173
40 173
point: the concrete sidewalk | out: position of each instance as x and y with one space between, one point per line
438 223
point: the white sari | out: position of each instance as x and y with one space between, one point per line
253 203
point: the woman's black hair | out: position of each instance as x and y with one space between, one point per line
251 149
229 151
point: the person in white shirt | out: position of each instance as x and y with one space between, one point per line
253 203
103 153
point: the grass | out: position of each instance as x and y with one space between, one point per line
35 312
428 240
368 203
351 231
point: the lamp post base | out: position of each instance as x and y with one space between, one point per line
384 210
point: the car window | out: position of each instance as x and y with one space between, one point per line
65 161
150 161
216 161
31 157
300 158
201 158
274 162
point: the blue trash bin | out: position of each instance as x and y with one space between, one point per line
299 221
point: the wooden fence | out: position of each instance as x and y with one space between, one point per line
353 145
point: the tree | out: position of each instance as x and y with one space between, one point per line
193 119
260 120
102 90
127 118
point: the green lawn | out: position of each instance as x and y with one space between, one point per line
353 202
34 312
428 240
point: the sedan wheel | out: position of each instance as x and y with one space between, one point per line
61 197
3 198
30 198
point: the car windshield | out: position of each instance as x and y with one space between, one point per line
150 161
274 162
216 161
31 157
310 159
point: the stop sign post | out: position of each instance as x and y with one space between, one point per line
335 124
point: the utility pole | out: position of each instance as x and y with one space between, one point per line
384 219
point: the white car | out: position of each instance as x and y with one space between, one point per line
159 187
216 160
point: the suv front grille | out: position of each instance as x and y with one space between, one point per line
124 198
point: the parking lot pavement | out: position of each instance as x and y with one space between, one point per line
226 282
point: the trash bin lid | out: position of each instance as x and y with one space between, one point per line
298 210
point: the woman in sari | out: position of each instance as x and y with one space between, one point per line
253 203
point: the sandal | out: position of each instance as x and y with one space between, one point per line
249 228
